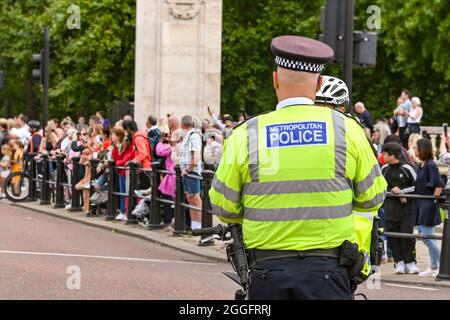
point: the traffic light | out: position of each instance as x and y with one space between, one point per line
41 73
332 24
38 61
333 19
365 48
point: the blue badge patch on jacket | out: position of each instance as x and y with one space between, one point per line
296 134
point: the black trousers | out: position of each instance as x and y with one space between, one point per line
310 278
403 136
403 249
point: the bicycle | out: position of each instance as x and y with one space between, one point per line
17 184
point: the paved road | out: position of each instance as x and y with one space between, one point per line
40 257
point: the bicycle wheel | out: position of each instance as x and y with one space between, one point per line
17 186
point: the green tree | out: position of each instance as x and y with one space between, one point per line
90 67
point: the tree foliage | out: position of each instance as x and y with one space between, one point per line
90 67
413 46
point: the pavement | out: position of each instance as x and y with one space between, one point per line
217 252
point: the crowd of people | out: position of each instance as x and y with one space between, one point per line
409 164
192 143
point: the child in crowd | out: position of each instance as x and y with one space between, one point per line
398 212
17 162
85 183
5 167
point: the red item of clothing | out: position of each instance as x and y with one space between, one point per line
106 144
142 152
381 159
121 158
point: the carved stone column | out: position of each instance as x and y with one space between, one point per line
178 57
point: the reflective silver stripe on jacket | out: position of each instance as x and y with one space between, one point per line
305 213
340 144
367 215
219 211
367 182
227 192
379 198
302 186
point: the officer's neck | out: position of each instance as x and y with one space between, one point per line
298 91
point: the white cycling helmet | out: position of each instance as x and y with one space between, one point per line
333 91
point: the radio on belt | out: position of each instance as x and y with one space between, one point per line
296 134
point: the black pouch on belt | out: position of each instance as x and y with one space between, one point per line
351 258
348 254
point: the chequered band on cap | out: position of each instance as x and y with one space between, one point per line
299 65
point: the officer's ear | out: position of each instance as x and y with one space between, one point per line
319 83
276 81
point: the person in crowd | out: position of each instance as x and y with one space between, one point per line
22 131
380 131
17 162
414 116
142 152
3 131
404 106
127 117
93 121
5 166
215 120
122 153
364 116
228 122
34 142
398 212
153 134
428 216
85 183
103 121
190 163
404 156
81 123
412 146
444 154
212 152
167 185
54 126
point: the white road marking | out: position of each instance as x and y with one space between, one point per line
104 257
410 287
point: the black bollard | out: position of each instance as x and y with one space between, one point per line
207 220
94 163
76 201
132 200
155 211
111 205
45 190
32 172
180 219
59 189
444 268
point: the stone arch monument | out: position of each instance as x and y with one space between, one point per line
178 57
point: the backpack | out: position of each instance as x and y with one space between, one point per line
212 153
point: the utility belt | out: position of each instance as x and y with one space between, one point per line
262 255
356 262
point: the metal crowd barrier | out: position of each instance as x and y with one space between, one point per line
444 269
112 178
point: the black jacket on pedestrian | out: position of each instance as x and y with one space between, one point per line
403 176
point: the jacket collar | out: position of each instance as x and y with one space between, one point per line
294 101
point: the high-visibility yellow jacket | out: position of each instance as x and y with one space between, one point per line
292 177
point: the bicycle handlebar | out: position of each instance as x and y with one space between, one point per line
219 230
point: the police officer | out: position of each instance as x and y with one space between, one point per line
292 177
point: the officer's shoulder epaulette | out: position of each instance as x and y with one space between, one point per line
246 120
351 117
